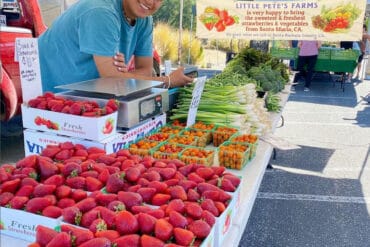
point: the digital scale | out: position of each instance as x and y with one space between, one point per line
139 99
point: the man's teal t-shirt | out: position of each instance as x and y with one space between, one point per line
87 28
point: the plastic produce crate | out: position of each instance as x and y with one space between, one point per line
197 155
184 140
233 155
143 147
247 139
167 151
284 53
324 53
345 55
221 134
204 137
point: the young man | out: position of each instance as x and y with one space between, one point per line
81 42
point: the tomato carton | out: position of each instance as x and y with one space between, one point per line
91 128
22 225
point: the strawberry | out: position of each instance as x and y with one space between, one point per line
201 187
177 220
93 174
29 161
130 240
167 173
186 170
200 228
41 190
88 217
224 196
26 190
149 241
5 197
116 206
96 242
208 204
183 236
193 195
108 216
52 199
159 186
140 209
76 182
95 150
205 172
113 104
46 168
134 188
86 204
72 215
146 223
52 211
109 234
62 239
227 185
195 177
126 223
220 206
175 205
93 184
65 203
78 195
193 209
4 176
130 199
78 235
37 204
10 186
106 159
71 169
76 108
81 152
98 225
160 199
17 202
208 217
50 151
218 170
163 230
132 174
115 182
62 155
29 181
172 182
187 184
178 192
44 235
147 194
157 213
211 194
63 191
104 199
56 179
103 176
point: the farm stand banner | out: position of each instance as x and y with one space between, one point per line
325 20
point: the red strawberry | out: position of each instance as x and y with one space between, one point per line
149 241
41 190
211 194
193 210
76 182
50 151
113 104
52 211
178 192
177 220
195 177
98 225
78 195
104 199
56 179
185 170
37 204
108 216
183 236
167 173
208 204
52 199
65 203
5 197
29 161
76 108
26 190
187 184
134 188
175 205
132 174
72 215
140 209
208 217
200 228
29 181
93 184
46 168
63 191
205 172
93 174
130 198
130 240
78 235
160 187
220 206
4 176
62 239
206 186
63 155
115 182
193 195
103 176
218 170
88 217
224 196
10 186
71 169
147 194
227 185
86 204
160 199
44 235
116 206
109 234
146 223
163 229
106 159
17 202
126 223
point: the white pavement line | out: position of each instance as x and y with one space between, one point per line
341 98
317 198
346 170
326 124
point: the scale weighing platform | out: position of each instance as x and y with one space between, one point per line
139 99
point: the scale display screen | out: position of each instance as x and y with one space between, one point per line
150 107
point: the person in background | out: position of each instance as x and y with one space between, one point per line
362 44
307 57
91 37
346 45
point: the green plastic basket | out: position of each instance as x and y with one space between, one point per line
284 53
351 55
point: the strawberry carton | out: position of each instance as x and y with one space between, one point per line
224 223
22 225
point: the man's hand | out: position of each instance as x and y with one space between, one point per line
178 78
119 62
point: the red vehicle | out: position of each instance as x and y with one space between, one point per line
23 19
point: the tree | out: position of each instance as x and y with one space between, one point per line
169 13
